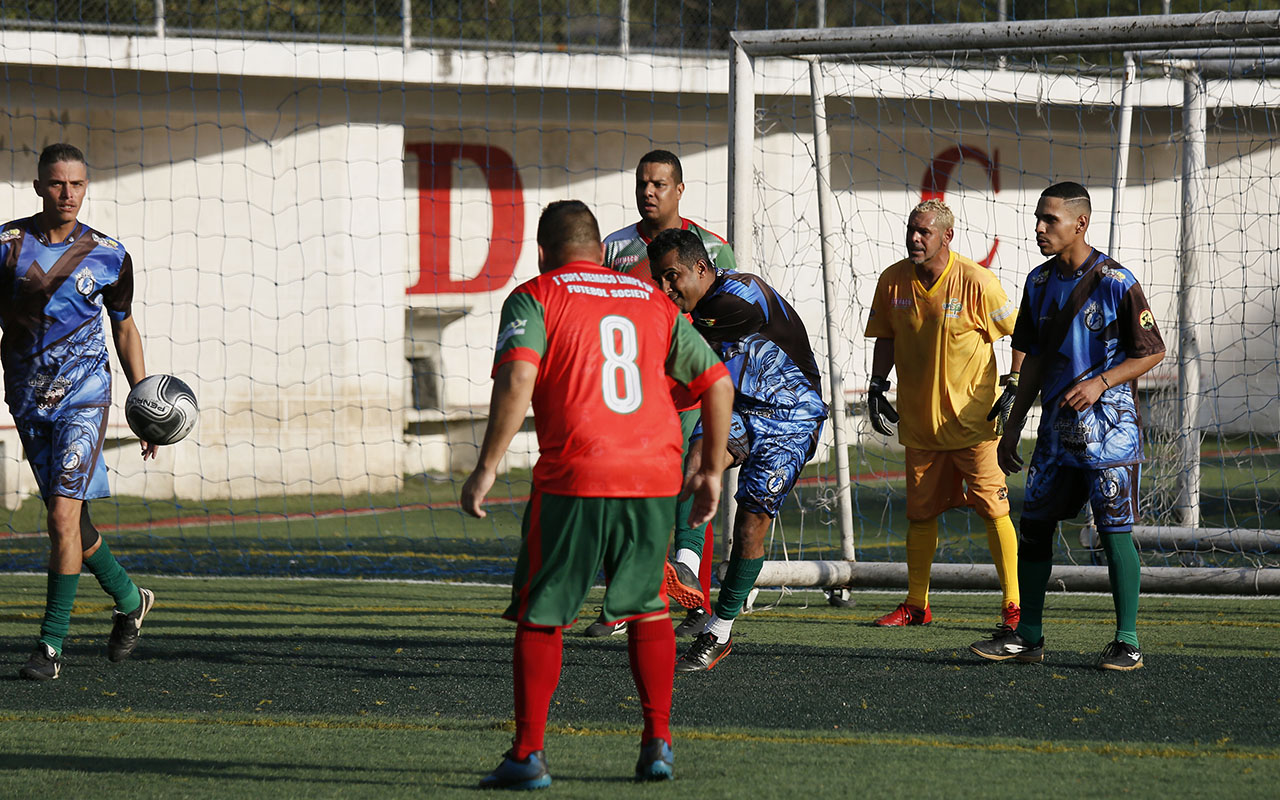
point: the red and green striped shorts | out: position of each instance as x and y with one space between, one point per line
567 541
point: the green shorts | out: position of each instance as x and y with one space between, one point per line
565 543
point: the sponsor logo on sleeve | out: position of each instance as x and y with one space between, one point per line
1003 312
514 328
105 242
1147 320
10 235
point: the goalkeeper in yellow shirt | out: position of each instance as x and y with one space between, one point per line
934 317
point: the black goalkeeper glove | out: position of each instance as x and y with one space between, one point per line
1004 403
883 418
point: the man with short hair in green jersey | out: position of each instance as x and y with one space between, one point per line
659 187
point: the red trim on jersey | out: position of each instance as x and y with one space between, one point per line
517 354
683 398
703 382
684 226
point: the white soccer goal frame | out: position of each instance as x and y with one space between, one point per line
1197 39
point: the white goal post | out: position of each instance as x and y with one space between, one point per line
1195 53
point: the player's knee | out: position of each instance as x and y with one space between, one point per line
1035 539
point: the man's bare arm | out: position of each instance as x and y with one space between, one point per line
128 342
512 393
703 481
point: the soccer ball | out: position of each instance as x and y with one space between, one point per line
161 409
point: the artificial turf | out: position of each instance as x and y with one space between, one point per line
324 688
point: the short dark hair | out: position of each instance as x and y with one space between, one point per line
1070 192
687 244
57 153
662 157
567 225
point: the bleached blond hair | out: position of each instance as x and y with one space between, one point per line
942 216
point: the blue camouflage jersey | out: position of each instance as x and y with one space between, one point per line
762 341
54 349
1105 320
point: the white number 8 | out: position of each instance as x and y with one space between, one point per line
620 353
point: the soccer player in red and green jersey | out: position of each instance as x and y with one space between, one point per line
659 187
594 351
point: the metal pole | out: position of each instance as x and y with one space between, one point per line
826 221
160 19
1122 153
1002 14
406 24
1034 36
1066 578
742 124
624 27
742 130
1187 505
822 13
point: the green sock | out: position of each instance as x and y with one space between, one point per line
737 584
688 538
59 597
1123 571
1033 579
113 579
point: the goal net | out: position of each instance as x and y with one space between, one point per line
1177 148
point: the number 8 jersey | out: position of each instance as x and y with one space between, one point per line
604 344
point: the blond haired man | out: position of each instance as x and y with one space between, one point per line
934 317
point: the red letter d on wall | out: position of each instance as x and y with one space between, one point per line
435 187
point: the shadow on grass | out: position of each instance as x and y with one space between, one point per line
232 769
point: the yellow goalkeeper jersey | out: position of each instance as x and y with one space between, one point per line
942 350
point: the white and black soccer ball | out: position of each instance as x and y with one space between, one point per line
161 409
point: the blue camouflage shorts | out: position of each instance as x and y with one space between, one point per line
66 453
771 453
1057 492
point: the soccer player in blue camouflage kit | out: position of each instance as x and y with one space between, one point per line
659 187
56 277
1089 334
778 409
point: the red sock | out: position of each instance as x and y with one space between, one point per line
704 567
536 668
651 646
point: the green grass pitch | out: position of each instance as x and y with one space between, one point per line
327 688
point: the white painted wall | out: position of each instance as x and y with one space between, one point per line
272 209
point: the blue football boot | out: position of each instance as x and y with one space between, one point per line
511 774
656 761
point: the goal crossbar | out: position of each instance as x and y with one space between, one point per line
1214 28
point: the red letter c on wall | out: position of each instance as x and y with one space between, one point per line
934 184
435 187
